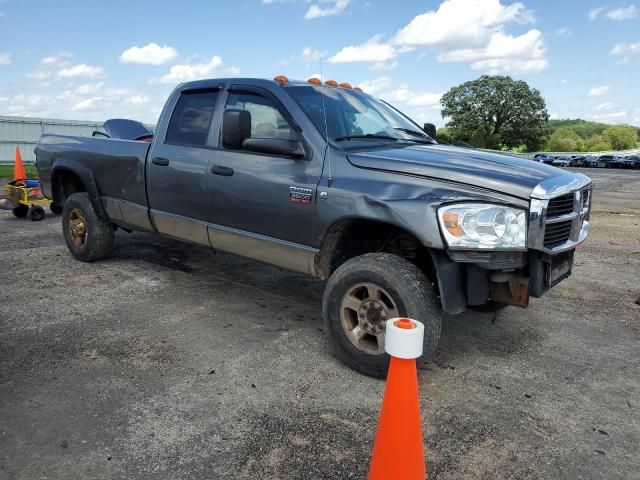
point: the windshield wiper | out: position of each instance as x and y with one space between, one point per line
424 137
365 137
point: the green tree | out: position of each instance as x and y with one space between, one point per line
565 139
444 135
597 143
621 137
494 111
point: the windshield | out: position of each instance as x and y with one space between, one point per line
354 117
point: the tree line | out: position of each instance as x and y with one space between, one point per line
500 113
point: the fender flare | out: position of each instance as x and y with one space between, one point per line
86 177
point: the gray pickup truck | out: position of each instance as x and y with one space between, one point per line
326 180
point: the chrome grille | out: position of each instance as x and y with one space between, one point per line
560 205
557 233
559 213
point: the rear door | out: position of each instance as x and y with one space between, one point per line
178 167
259 193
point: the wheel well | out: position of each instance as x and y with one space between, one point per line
64 184
349 238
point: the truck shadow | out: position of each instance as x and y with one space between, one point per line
501 333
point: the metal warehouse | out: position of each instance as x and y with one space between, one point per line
24 132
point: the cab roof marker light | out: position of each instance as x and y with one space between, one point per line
281 79
345 85
314 81
358 89
331 83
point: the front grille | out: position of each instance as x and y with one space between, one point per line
562 205
557 233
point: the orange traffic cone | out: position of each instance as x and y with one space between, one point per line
19 172
398 452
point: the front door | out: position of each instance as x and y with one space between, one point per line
267 195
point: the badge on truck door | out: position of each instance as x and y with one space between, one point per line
300 195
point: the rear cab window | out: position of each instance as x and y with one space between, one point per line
190 121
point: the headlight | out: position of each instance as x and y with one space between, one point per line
483 226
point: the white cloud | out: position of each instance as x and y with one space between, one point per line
39 75
626 48
81 71
373 50
623 13
376 86
335 7
594 13
309 55
564 32
5 59
473 31
150 54
383 66
461 24
413 98
605 106
598 91
187 72
504 54
383 87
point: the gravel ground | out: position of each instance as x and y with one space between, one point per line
172 361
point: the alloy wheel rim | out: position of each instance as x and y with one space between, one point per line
77 227
363 312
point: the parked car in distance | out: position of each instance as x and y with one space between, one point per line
577 161
561 162
543 158
626 162
604 161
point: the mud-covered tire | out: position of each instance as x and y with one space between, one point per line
21 211
408 288
88 236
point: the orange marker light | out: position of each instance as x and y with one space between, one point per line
281 79
451 223
331 83
358 89
345 85
314 81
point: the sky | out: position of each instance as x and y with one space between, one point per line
94 60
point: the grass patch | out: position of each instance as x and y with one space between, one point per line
6 171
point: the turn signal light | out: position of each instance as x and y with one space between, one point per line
331 83
281 79
314 81
450 221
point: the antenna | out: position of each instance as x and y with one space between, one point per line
326 128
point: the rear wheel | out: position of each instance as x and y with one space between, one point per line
21 211
366 291
88 236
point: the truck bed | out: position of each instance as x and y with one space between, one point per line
118 166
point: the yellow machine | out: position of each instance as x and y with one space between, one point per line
28 198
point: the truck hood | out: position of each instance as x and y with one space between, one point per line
501 173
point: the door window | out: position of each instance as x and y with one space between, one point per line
191 118
266 119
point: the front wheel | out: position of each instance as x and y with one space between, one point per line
88 236
21 211
366 291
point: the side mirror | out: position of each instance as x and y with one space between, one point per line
236 127
274 146
430 129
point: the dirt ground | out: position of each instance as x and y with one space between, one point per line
173 361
